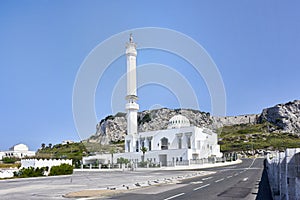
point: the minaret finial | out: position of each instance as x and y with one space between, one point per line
130 38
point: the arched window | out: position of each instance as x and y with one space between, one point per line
188 141
137 146
164 143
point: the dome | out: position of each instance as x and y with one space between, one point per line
178 121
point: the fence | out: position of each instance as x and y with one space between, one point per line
284 174
149 164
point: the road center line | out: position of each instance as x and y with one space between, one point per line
172 197
196 182
203 186
229 176
222 179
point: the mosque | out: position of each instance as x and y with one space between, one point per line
179 143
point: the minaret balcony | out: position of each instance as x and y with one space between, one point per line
132 106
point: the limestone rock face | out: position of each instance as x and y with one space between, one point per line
285 116
114 128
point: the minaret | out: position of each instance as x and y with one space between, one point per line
131 106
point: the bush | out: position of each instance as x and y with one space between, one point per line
109 117
31 172
9 159
143 163
122 161
62 169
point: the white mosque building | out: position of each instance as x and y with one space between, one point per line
179 143
18 151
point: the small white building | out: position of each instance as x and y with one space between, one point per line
64 142
18 150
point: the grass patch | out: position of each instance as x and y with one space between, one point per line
7 166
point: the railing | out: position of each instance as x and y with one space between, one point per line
149 164
284 174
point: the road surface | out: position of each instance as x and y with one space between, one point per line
233 182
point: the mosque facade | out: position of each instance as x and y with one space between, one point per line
179 143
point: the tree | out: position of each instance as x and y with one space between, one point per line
144 150
50 145
43 145
112 150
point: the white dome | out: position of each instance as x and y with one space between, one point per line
178 121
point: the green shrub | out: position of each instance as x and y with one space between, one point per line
120 114
122 161
143 163
62 169
9 159
109 117
31 172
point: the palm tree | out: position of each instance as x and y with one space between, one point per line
112 150
43 145
50 145
144 150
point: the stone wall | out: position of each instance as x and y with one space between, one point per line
234 120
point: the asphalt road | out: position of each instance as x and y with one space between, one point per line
55 187
241 181
232 182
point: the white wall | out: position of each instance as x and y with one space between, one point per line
7 173
26 163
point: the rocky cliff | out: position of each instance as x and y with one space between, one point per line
286 117
113 128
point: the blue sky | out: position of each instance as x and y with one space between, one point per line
255 45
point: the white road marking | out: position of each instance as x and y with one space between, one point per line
207 178
229 176
245 179
236 174
196 182
252 163
203 186
172 197
222 179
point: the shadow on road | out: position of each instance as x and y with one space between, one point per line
264 190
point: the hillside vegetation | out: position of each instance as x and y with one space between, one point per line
74 151
246 137
116 147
